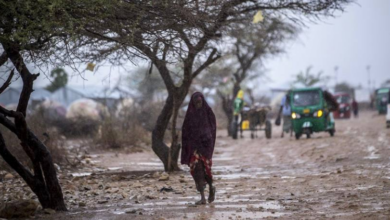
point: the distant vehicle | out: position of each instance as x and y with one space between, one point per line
382 98
252 119
388 116
311 111
344 100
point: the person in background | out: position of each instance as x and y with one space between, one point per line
238 105
285 110
355 108
198 140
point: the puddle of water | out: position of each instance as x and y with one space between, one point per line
322 146
365 187
236 176
119 212
114 168
271 155
226 206
144 164
242 211
288 177
225 168
272 205
170 203
373 155
382 138
222 158
81 174
269 205
244 215
371 149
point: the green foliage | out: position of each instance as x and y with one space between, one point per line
41 29
309 79
60 79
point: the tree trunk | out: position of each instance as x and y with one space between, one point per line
175 147
44 183
227 105
158 145
168 155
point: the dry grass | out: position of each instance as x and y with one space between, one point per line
131 128
112 134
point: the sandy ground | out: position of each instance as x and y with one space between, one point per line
341 177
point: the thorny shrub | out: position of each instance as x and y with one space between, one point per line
113 134
72 128
78 127
130 127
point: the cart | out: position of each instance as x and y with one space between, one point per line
253 120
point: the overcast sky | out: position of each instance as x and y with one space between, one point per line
353 40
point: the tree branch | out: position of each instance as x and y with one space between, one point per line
210 60
27 77
7 82
14 163
3 58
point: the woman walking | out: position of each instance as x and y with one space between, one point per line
198 140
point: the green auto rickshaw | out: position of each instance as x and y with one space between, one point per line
382 98
311 111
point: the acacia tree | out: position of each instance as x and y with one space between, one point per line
185 32
307 78
60 79
37 32
251 46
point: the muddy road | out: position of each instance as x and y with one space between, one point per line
341 177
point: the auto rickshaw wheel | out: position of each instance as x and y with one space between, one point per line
268 129
252 135
331 132
297 136
307 135
234 129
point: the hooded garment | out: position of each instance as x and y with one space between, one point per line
240 94
198 131
332 102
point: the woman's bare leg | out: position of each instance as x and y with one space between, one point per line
211 189
199 177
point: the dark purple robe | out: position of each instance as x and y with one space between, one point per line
199 130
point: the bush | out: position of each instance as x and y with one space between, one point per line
113 134
144 115
131 127
78 127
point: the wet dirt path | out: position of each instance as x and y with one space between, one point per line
341 177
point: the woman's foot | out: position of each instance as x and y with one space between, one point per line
212 194
201 202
